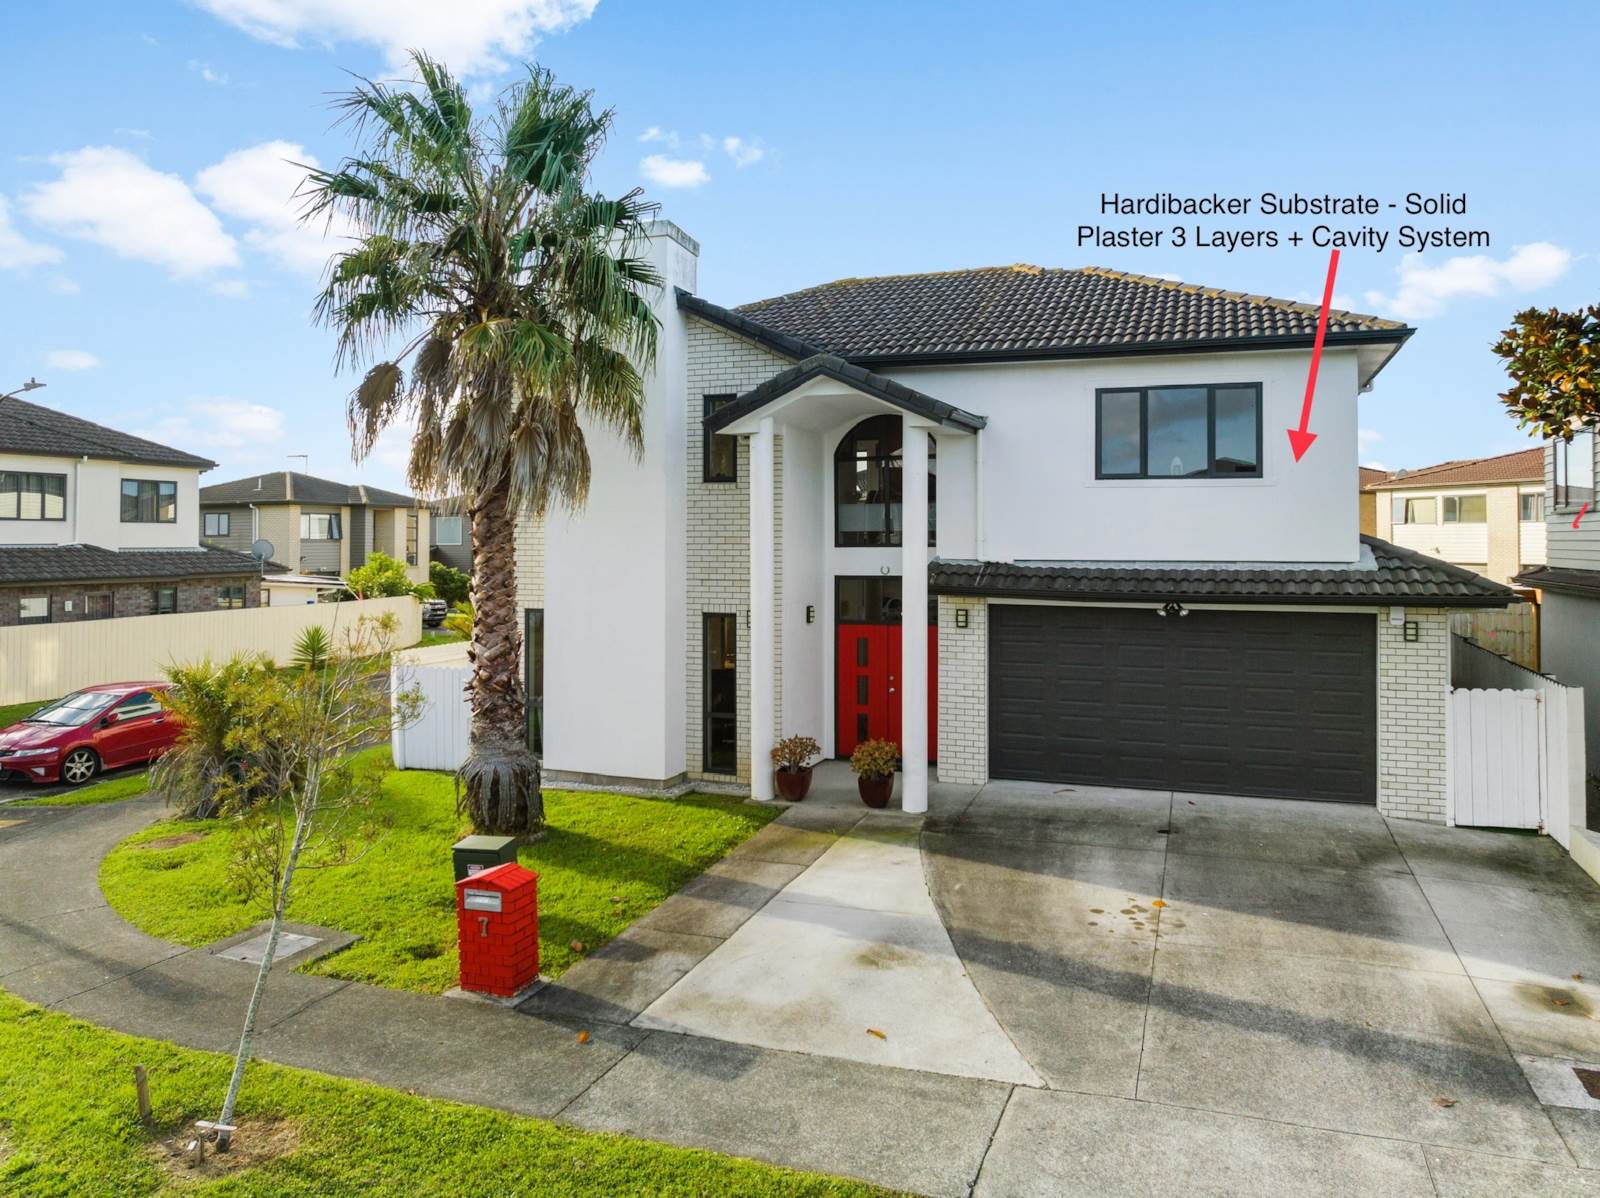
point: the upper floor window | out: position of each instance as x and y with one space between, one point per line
1574 469
1415 511
146 501
447 530
32 496
319 526
721 452
867 487
216 524
1532 507
1179 432
1466 509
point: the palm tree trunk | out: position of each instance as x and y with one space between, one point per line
500 776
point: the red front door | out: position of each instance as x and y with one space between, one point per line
868 704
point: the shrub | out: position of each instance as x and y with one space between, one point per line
312 648
795 753
459 621
875 758
384 577
448 583
211 702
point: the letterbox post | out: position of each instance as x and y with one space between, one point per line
497 930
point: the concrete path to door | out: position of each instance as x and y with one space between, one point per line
1326 1002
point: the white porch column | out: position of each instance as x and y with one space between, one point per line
914 616
763 673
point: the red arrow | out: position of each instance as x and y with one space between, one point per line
1300 439
1579 516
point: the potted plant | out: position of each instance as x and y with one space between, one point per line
792 758
874 763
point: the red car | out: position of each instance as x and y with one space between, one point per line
97 728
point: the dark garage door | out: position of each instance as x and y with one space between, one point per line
1254 703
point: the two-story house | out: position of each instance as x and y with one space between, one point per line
1485 514
1569 584
452 534
1028 523
317 526
96 523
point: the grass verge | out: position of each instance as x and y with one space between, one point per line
604 861
123 786
68 1127
10 713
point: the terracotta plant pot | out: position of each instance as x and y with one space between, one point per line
792 784
875 792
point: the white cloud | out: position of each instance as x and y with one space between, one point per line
257 185
674 172
137 134
744 153
230 288
656 133
203 69
108 196
65 286
1366 438
1425 290
1377 466
71 359
16 251
472 38
219 424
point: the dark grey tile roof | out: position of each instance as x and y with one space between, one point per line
1585 583
28 428
91 563
1028 311
863 380
287 486
1395 577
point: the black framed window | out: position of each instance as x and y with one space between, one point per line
1531 508
1206 431
868 488
1574 470
33 609
533 675
320 526
873 599
25 496
1466 509
216 524
165 601
721 656
231 595
149 501
720 453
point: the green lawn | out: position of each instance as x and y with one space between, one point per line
10 713
123 786
68 1127
439 636
604 861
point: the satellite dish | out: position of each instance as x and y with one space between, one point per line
262 549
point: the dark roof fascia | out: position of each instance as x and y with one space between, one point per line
851 375
753 330
1222 600
1563 581
1397 337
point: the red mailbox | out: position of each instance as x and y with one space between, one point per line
497 928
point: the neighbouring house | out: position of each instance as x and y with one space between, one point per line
1569 581
1366 477
317 527
1118 574
452 535
1484 514
96 523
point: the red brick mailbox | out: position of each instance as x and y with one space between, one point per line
497 928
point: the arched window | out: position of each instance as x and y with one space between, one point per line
867 488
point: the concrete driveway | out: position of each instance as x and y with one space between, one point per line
1239 995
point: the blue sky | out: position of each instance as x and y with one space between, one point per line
151 273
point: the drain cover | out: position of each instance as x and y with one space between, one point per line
254 950
1589 1079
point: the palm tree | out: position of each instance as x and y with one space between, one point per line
518 300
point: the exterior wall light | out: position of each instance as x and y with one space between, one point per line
1171 608
811 613
1411 632
961 617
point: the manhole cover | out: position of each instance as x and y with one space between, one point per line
1590 1080
253 950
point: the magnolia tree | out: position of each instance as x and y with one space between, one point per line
1553 358
300 800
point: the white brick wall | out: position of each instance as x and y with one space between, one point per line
1413 688
530 563
963 691
718 569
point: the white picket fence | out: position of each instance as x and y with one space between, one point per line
438 738
1515 750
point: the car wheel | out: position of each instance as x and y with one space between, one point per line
78 766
